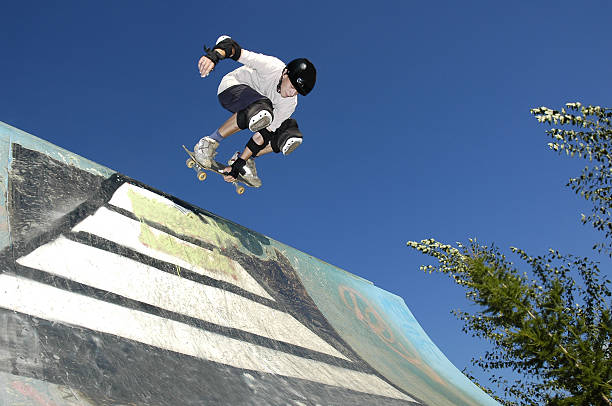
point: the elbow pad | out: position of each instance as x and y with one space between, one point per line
231 48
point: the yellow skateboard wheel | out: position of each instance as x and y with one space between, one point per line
190 163
240 189
201 175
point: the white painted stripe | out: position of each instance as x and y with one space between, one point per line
39 300
125 231
121 199
134 280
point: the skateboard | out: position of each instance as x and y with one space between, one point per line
217 167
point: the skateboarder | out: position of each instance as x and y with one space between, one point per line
262 95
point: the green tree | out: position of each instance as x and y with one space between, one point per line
551 326
590 138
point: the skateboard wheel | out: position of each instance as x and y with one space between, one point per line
190 163
201 175
240 189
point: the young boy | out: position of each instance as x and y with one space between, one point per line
262 95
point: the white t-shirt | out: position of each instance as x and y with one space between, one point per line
262 73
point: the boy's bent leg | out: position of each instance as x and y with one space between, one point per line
229 127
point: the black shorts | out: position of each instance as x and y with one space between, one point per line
238 97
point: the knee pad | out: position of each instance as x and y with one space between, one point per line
287 137
256 116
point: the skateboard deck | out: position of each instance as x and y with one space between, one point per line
217 167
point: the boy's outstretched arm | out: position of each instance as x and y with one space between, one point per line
224 48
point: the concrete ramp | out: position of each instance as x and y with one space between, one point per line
113 293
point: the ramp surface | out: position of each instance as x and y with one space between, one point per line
113 293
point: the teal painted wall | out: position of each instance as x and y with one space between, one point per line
381 329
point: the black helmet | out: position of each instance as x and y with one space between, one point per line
302 75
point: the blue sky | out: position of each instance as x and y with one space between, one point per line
418 126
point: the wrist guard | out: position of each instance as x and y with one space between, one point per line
237 168
212 55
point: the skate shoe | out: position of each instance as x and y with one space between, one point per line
205 151
251 170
